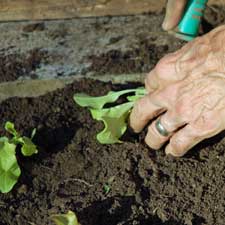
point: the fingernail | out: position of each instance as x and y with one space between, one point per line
165 25
168 150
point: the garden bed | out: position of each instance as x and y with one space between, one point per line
71 169
89 46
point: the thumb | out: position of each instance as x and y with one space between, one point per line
174 12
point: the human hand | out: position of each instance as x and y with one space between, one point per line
186 89
202 55
174 12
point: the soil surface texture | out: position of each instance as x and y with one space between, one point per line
96 46
72 168
13 66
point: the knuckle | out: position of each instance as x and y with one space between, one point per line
158 68
152 81
207 125
149 85
212 61
162 65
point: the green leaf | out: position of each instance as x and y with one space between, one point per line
114 118
11 129
4 139
65 219
106 189
9 168
34 131
139 93
28 147
98 102
134 98
115 121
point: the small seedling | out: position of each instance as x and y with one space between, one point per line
9 168
65 219
114 118
107 186
106 189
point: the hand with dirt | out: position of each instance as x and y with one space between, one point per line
174 11
187 93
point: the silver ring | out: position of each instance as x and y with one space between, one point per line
160 128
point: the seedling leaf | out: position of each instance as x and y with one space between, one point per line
33 133
98 102
9 168
114 118
115 121
65 219
28 147
4 139
11 129
140 92
106 189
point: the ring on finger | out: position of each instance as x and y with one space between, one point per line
161 129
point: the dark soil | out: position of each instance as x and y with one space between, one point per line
71 169
215 15
126 44
138 60
15 65
33 27
149 49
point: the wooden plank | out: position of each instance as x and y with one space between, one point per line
63 9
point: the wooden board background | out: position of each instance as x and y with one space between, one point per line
11 10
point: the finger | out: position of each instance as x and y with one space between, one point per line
171 122
152 105
144 110
174 11
186 138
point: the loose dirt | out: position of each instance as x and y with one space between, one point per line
71 169
59 49
14 66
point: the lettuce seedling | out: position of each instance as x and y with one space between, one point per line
28 147
9 168
114 118
65 219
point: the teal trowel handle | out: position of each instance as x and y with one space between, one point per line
189 24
